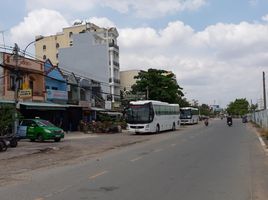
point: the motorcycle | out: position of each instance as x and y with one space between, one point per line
229 123
206 122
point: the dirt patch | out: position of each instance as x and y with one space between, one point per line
33 156
261 132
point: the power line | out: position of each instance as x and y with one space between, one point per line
35 59
55 79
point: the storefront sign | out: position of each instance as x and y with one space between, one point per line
57 94
25 93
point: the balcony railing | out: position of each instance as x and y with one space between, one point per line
114 80
114 63
114 45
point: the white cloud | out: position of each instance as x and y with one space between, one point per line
224 61
265 18
38 22
140 8
102 22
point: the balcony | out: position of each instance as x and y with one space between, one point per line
114 63
114 46
114 80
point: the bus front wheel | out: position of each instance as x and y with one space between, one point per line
157 128
173 127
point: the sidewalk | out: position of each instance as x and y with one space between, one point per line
78 135
26 148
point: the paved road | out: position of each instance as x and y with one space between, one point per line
204 163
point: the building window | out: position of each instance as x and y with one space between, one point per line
57 55
44 47
47 87
70 34
11 83
54 88
57 45
31 84
44 57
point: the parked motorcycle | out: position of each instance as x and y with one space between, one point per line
4 143
229 123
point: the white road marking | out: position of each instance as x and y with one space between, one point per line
263 145
135 159
158 150
98 174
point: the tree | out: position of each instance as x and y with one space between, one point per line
183 102
158 85
205 110
253 107
238 107
6 118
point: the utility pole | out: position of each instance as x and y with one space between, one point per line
16 77
264 91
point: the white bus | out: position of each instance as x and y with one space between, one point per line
189 115
152 116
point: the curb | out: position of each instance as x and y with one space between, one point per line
265 148
263 145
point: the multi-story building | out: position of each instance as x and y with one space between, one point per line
49 47
88 59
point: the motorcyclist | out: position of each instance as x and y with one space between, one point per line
206 121
229 119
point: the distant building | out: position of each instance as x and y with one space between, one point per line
127 79
52 46
215 108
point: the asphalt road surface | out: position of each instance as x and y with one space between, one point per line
200 163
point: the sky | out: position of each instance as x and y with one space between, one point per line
217 49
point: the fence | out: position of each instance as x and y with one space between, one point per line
260 118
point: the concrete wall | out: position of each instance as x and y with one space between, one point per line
260 117
87 58
1 79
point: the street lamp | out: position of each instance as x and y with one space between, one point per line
36 39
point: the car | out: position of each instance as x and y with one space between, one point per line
40 129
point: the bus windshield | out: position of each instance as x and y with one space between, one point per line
139 114
186 114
